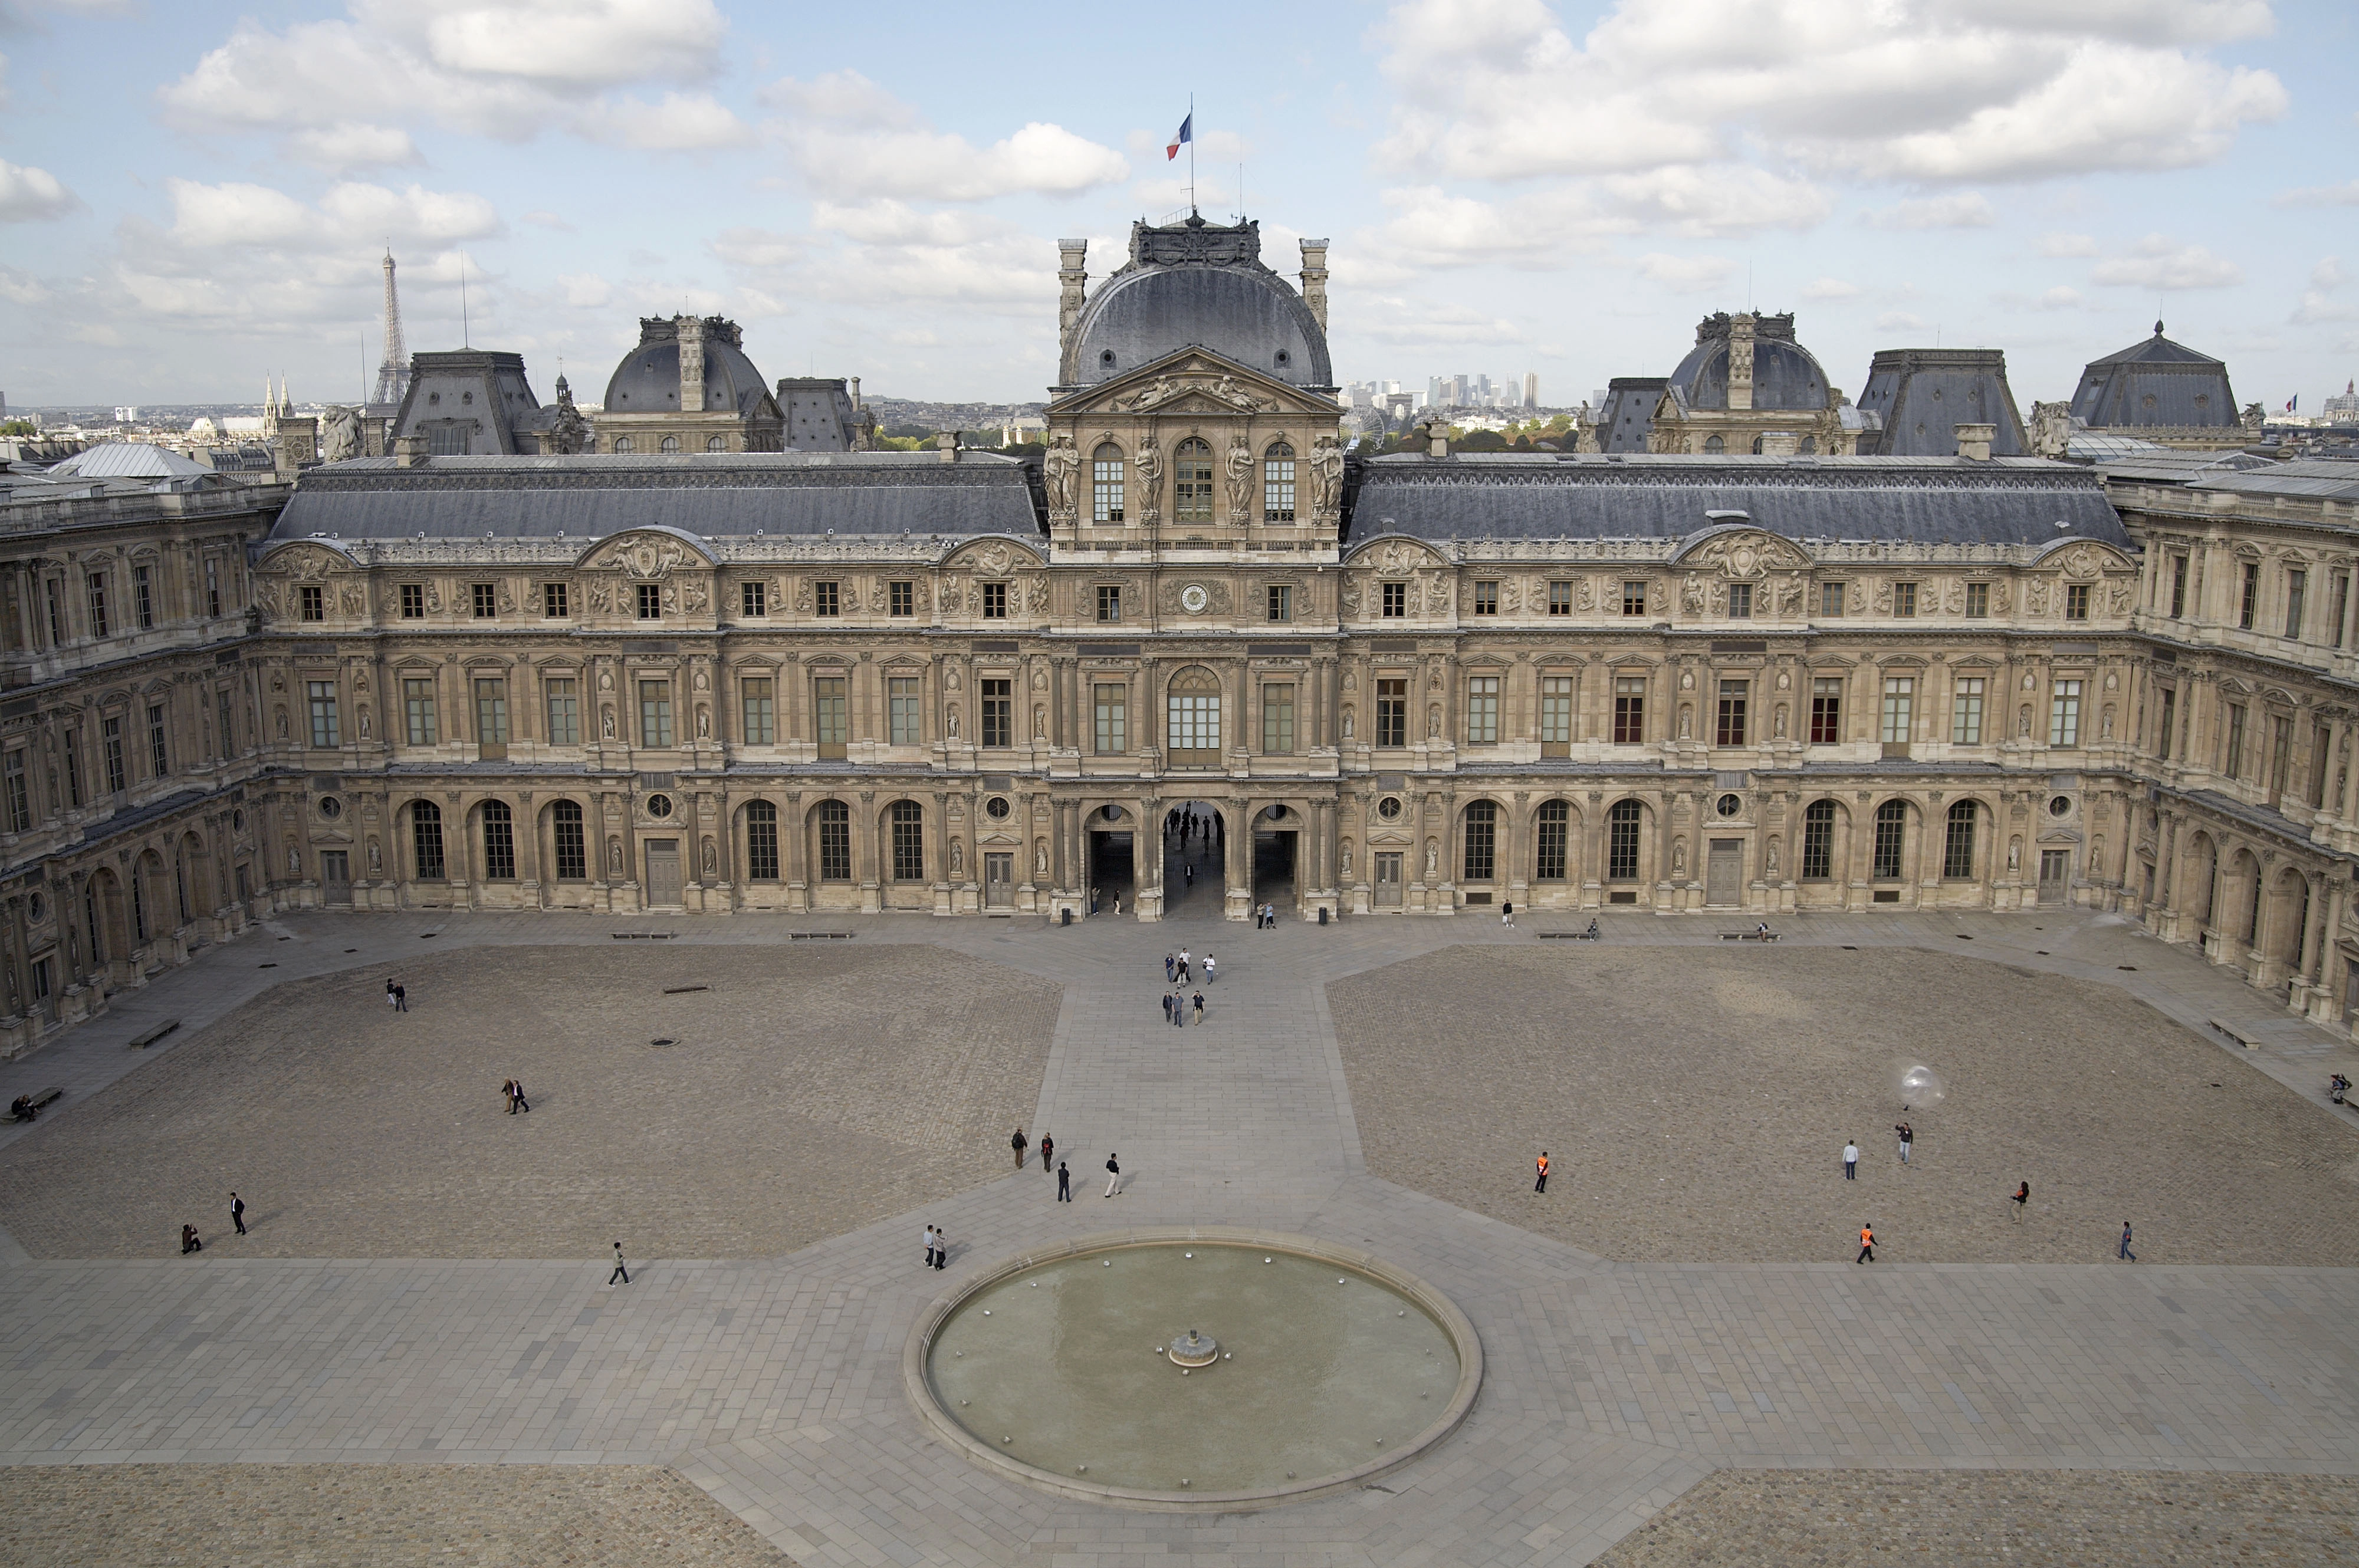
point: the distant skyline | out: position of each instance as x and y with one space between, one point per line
192 198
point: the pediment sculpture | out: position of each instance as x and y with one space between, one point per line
649 556
1746 553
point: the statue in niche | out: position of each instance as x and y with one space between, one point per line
953 721
1680 856
2014 856
1347 723
1240 478
2105 726
294 861
1347 859
1432 856
958 856
1039 720
364 724
376 857
1781 722
1040 857
1061 466
1772 855
1687 722
1326 476
606 723
1433 722
1148 465
2023 722
615 855
712 857
703 723
282 723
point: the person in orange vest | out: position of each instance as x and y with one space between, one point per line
1541 1185
1866 1244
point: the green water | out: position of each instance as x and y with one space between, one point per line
1065 1360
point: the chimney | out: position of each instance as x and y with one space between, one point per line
1975 440
946 444
410 451
1314 279
1072 285
1740 361
855 395
691 366
1436 438
1780 444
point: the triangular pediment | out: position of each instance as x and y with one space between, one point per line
1740 551
648 553
1193 383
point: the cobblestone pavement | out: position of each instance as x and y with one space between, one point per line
1695 1103
811 1090
369 1516
773 1383
2040 1518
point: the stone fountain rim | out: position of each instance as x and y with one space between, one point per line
1436 1305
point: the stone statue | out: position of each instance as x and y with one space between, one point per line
376 857
954 721
1241 467
1433 722
1040 858
339 434
2052 428
282 723
704 723
606 723
1062 468
1347 723
2014 856
1326 477
958 856
570 434
1149 464
712 857
1772 855
1433 857
1691 599
1347 859
1780 734
615 855
1679 856
364 724
1039 720
294 861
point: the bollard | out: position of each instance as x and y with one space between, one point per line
1068 913
1322 914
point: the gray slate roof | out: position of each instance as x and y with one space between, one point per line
127 460
1785 375
2004 501
2157 383
711 495
2325 478
1201 284
1920 396
1629 412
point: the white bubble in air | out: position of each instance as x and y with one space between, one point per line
1919 1087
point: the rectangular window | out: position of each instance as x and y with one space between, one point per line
1904 599
1109 603
2317 759
1730 729
2232 761
1831 599
499 843
73 766
901 597
1277 487
491 712
2169 718
228 730
413 601
1194 722
1629 710
1481 862
1740 601
418 708
1559 597
904 712
324 732
564 713
98 603
572 846
160 752
1396 601
1977 600
994 601
761 842
1826 710
655 713
1486 598
1556 709
1392 713
1111 700
650 601
52 593
1483 710
1621 844
1634 598
1891 838
2065 715
754 600
556 601
999 713
1277 720
834 843
1105 487
20 798
759 703
2248 600
908 841
2178 586
1900 707
143 596
2076 601
110 733
314 602
2342 606
212 586
1281 602
1966 711
826 599
830 717
2296 586
487 601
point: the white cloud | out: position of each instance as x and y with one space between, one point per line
22 287
2343 195
1416 322
341 148
758 249
848 137
2317 307
584 290
682 122
1900 321
2059 299
1687 274
29 195
2160 263
542 218
2057 242
1831 288
1711 200
1960 210
213 217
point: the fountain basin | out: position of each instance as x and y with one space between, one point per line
1193 1368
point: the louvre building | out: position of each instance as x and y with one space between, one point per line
952 683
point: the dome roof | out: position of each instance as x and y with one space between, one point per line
1201 285
1784 374
2156 384
648 381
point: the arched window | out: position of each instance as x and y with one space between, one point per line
1891 838
1482 855
1105 483
499 842
834 841
1621 842
573 851
426 839
1958 846
670 444
908 841
1192 495
623 446
715 443
1714 445
1809 447
1818 841
1555 832
1278 484
1756 446
761 841
1194 736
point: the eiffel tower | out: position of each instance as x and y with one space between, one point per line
392 375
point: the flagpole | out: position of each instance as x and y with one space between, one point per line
1191 154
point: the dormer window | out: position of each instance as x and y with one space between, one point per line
1105 360
1284 359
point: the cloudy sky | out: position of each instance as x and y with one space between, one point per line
193 196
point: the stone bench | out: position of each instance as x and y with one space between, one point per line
34 1103
2237 1036
1748 936
143 1041
1569 936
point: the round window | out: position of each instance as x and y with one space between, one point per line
1114 814
658 806
1390 808
1729 805
2061 806
38 908
330 808
238 821
996 807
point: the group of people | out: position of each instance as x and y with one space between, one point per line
1049 1161
397 995
513 1091
1177 971
192 1242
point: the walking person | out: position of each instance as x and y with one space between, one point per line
1187 876
1208 969
1048 1150
1113 1176
929 1244
237 1212
1507 914
621 1271
1866 1244
2124 1250
1064 1183
1541 1185
1019 1143
1166 1007
1178 1009
521 1103
1200 1009
941 1246
1170 969
1908 1136
508 1092
388 991
1183 966
2021 1201
400 998
1851 1162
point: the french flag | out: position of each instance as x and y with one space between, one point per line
2291 401
1187 133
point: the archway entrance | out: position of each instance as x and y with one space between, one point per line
1113 860
1277 845
1195 850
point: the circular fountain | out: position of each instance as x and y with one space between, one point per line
1088 1370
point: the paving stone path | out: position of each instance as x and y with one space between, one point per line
773 1383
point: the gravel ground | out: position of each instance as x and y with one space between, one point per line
369 1516
1695 1102
2024 1518
812 1090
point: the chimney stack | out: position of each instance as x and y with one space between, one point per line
410 451
1975 440
691 366
1314 279
947 443
1740 361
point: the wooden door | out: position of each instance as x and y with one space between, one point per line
663 873
1388 878
1723 879
999 881
335 876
